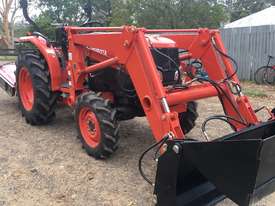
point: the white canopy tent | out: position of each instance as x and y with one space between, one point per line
261 18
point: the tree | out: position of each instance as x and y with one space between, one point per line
246 7
73 12
121 13
148 13
8 10
179 14
271 2
242 8
64 11
44 22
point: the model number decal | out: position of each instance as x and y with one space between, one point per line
100 51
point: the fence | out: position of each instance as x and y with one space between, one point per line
250 47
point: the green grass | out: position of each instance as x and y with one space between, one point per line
7 58
255 93
247 81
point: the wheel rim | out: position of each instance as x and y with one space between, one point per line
89 127
26 88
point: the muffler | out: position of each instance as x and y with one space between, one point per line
7 78
240 166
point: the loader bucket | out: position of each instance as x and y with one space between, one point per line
240 167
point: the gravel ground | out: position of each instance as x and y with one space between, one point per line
47 166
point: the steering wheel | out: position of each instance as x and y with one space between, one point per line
38 34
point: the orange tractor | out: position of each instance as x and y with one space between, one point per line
110 74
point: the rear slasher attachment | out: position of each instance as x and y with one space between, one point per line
7 78
240 166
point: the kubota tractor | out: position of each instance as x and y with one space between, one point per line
111 74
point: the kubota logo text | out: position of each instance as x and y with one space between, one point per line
100 51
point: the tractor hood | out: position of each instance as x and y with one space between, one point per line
157 41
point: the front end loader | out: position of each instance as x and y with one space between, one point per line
239 166
112 74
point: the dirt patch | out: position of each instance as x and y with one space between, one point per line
47 166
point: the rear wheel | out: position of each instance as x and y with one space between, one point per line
26 88
260 74
36 100
188 119
269 76
97 125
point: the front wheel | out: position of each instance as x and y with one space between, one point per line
97 125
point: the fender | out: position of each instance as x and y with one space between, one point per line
50 57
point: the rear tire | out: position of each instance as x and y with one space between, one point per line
259 75
36 100
270 76
97 125
188 119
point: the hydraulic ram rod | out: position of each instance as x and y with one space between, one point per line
101 65
192 93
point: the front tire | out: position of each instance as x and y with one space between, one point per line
36 100
97 125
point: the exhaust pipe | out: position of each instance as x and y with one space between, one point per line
240 166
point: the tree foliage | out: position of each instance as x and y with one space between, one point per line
64 11
73 12
121 13
145 13
179 14
148 13
241 8
69 12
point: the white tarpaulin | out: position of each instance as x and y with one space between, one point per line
264 17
